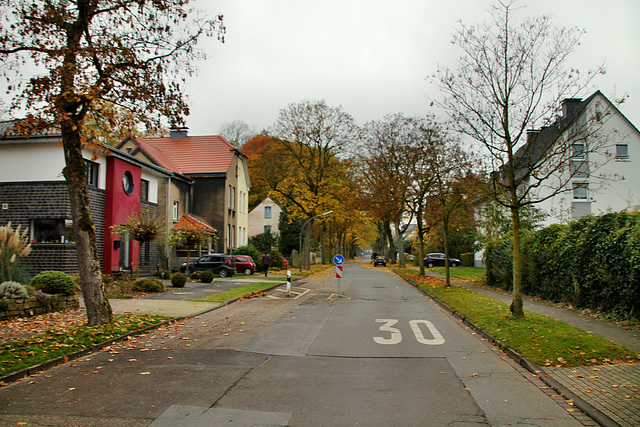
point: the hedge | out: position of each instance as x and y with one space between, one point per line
593 262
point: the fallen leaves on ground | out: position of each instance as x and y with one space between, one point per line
24 327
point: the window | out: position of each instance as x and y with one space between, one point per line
580 190
577 151
622 151
92 173
267 229
51 231
175 210
144 190
267 212
230 205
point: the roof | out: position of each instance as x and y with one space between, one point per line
190 222
190 155
541 140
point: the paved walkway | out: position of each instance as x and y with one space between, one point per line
613 390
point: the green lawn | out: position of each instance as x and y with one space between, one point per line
470 274
540 339
232 294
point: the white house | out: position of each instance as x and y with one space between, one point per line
264 217
604 171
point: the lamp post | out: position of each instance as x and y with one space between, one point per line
301 230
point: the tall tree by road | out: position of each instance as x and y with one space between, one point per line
512 77
387 174
237 132
132 54
314 135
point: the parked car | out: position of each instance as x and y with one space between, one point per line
437 260
221 264
379 260
245 264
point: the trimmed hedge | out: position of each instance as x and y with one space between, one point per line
593 262
54 282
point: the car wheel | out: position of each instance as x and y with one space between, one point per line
248 271
223 272
430 265
453 264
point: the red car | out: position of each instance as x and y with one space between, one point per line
245 264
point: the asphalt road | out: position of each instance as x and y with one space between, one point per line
380 355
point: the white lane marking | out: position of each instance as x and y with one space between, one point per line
396 336
437 337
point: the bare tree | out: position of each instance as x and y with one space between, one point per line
237 132
131 54
511 78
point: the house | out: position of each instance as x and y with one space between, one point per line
264 217
210 181
595 167
33 194
604 161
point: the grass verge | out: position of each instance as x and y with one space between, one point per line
32 351
470 274
232 294
540 339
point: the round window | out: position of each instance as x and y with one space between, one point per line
127 183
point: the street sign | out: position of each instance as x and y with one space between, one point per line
338 272
338 260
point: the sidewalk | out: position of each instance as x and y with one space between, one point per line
611 390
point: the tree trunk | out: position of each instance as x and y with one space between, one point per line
516 305
392 246
401 262
95 298
307 245
420 240
447 271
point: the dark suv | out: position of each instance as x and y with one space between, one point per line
379 260
220 264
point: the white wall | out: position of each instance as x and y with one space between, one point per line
614 184
31 162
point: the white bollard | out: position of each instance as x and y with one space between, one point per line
288 283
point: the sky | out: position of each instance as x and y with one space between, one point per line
374 57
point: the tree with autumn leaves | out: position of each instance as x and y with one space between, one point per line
91 55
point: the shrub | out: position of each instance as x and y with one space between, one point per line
252 252
13 290
206 276
165 275
195 275
4 305
54 282
467 259
178 280
148 285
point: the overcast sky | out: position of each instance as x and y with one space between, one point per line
373 57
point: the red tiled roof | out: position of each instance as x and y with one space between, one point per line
190 155
188 222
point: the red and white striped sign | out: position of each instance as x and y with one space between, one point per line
338 272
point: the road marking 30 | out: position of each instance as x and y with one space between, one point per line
395 336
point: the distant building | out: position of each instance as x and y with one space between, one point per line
264 217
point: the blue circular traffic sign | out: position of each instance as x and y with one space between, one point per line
338 260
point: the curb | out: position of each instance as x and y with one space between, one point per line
538 371
26 372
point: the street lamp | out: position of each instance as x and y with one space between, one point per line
303 226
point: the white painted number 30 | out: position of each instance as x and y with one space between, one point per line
396 336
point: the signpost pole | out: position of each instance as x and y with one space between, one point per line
338 260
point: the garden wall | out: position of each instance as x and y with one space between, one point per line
32 306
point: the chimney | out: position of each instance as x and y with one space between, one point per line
532 135
570 107
178 133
